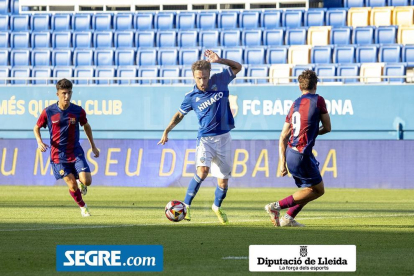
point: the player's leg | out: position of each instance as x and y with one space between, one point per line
84 174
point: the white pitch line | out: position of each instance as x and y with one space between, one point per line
235 258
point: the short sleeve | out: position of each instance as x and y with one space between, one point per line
42 121
186 105
226 76
289 115
82 118
321 105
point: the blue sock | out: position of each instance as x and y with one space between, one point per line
220 196
192 189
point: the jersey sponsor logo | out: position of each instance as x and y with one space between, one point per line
54 122
211 101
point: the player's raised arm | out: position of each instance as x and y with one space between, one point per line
214 58
283 141
176 119
88 131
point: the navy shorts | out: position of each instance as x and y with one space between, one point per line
61 170
303 167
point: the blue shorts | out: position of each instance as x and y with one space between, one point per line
303 167
61 170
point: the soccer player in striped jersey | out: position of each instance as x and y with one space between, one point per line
66 154
295 151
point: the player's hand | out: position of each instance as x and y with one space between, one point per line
95 152
42 146
283 170
164 139
211 56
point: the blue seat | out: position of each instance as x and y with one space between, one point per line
336 17
408 54
292 18
186 20
325 70
235 54
105 72
82 40
102 22
104 57
20 58
354 3
187 72
249 19
188 38
149 72
258 71
390 53
228 20
4 6
396 3
188 56
376 3
344 54
363 35
82 22
4 40
230 38
386 34
321 54
84 72
127 72
207 20
209 38
254 55
4 23
172 72
315 17
166 38
274 37
341 36
125 39
145 39
145 21
217 69
62 73
41 58
83 57
20 23
395 69
272 19
62 57
124 21
146 56
165 20
367 53
4 57
103 39
61 40
277 55
22 72
296 36
348 70
42 76
62 22
4 73
20 40
125 57
298 69
14 6
167 56
252 37
40 22
40 40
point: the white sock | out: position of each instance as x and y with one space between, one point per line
288 217
215 207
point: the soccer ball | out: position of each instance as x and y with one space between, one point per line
175 210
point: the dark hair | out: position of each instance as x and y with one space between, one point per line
64 84
201 65
307 80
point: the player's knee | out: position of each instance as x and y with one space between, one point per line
202 172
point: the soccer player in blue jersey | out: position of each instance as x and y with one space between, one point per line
66 155
210 101
295 151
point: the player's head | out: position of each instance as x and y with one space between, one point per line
307 81
64 91
201 73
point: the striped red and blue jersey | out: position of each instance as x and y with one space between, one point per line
64 131
304 117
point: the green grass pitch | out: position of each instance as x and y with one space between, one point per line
33 220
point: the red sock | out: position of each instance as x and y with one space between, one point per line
293 211
77 197
287 202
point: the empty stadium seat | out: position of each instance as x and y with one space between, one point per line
321 54
398 3
296 36
62 40
104 57
254 55
62 73
348 70
188 56
235 54
315 17
20 23
386 34
258 71
41 58
127 72
82 57
249 19
218 68
336 17
42 76
359 17
341 36
40 22
376 3
367 53
147 38
61 22
145 21
299 54
4 73
105 72
325 70
124 21
363 35
102 21
4 40
4 6
371 72
395 69
14 6
381 16
165 20
125 39
292 18
22 72
62 57
188 73
4 23
167 56
230 38
274 37
271 19
4 57
403 16
148 72
40 40
186 20
354 3
188 38
82 40
125 57
166 38
209 38
20 40
103 39
146 56
344 54
172 72
408 55
280 73
84 72
319 35
406 34
277 55
82 22
207 20
390 53
298 69
252 37
228 20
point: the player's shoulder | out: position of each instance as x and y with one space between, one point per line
190 93
75 107
51 108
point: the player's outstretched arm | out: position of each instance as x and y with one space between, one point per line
88 131
214 58
40 145
176 119
326 124
283 141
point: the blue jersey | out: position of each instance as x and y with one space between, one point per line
212 107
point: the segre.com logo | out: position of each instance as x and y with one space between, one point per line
109 258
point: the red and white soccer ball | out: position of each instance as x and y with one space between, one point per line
175 210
